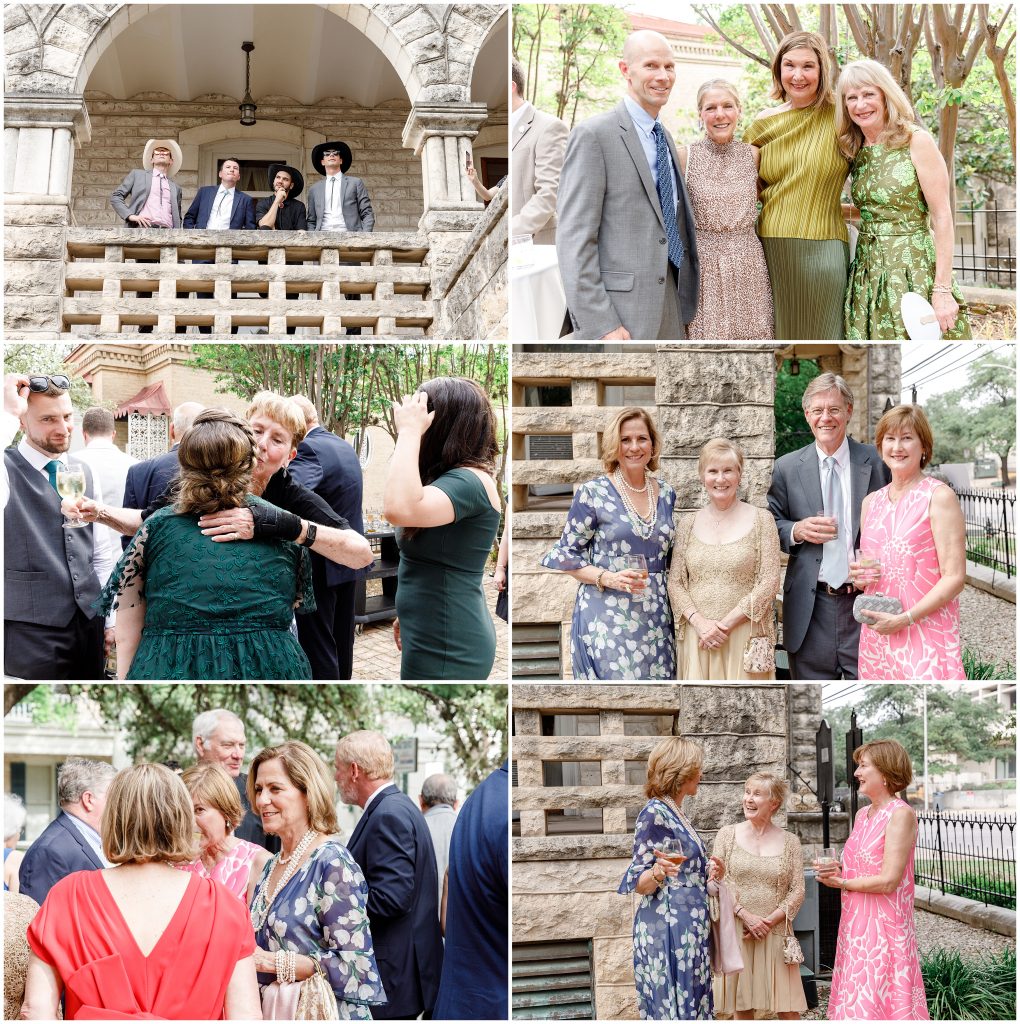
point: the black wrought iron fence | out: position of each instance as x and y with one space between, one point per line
991 528
985 249
967 854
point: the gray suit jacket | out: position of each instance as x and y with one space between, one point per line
137 185
610 236
357 207
795 494
538 146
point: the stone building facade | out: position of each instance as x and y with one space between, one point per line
580 756
567 394
71 267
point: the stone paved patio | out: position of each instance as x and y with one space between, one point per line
377 657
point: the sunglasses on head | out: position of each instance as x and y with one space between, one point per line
40 384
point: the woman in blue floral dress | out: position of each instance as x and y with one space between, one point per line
672 969
310 907
623 625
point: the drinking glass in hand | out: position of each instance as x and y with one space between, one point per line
638 564
827 861
868 569
71 485
832 524
671 849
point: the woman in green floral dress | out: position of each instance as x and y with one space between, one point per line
899 182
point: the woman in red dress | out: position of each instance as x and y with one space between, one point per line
142 939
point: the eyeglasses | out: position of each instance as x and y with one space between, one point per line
40 384
330 152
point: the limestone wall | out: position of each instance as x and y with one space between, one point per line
472 293
564 886
392 174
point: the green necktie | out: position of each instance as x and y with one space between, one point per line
51 471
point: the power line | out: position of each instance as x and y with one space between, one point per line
958 364
914 369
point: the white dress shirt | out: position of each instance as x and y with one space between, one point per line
516 116
333 218
223 205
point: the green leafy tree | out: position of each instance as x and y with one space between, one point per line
792 431
473 717
568 53
957 724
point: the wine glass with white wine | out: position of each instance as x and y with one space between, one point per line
71 485
639 564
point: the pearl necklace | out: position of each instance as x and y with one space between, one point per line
292 860
636 490
644 526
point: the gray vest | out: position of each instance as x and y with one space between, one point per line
47 570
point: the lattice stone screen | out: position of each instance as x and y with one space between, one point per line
148 435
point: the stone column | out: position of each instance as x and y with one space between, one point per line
41 134
441 134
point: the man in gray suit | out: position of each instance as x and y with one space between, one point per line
150 198
625 232
340 201
816 498
539 141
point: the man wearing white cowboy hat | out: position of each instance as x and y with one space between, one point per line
155 199
340 201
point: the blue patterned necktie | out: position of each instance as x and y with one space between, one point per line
664 186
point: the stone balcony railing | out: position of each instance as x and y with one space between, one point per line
265 280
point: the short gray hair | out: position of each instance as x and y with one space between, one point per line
184 416
439 789
77 776
826 382
206 723
368 749
14 815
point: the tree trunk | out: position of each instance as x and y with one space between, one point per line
997 55
15 693
1004 468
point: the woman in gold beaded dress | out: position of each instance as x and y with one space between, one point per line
725 572
764 871
734 297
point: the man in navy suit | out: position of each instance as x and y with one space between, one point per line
328 465
70 842
219 208
391 843
147 480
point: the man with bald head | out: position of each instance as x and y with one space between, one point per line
147 480
393 847
329 466
625 235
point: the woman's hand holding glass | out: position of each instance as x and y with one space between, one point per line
827 868
866 571
635 567
630 581
669 855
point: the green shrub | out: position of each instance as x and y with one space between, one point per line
975 667
959 989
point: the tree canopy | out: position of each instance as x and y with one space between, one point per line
156 719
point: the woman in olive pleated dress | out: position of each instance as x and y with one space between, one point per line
900 184
802 172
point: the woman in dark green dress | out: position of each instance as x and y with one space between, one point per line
441 491
191 608
899 182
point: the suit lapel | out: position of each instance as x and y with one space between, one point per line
79 839
860 478
810 479
523 128
637 154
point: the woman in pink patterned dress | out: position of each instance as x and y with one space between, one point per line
914 528
878 974
235 862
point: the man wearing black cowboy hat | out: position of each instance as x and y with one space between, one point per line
282 211
340 201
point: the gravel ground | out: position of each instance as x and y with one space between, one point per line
988 626
933 932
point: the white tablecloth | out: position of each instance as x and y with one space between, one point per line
537 302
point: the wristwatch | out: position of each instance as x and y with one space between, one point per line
310 533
